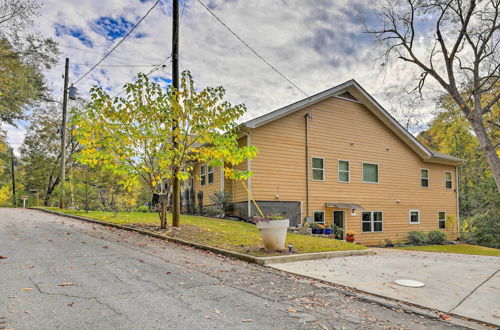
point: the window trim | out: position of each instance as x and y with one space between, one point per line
363 173
203 175
322 169
439 220
409 217
213 174
446 181
372 223
428 178
348 171
321 211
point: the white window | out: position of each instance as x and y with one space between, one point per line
210 174
203 174
319 216
344 171
370 172
318 169
372 221
442 219
448 180
414 216
424 178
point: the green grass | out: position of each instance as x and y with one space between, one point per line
227 234
459 248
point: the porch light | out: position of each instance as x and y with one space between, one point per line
353 212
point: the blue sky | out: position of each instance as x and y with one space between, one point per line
314 43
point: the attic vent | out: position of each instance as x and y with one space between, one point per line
348 96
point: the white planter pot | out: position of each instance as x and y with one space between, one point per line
274 233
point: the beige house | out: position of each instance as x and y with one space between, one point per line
339 157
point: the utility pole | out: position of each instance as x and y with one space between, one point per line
13 178
63 133
176 202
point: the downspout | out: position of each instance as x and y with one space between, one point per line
458 201
249 180
307 117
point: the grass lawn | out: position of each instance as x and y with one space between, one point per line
459 248
227 234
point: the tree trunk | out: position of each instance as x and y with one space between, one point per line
176 203
163 215
487 147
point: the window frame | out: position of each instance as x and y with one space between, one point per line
450 181
322 169
439 220
363 172
409 217
372 222
203 176
210 172
428 178
319 211
344 171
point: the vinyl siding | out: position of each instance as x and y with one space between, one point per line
345 130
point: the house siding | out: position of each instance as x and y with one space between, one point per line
345 130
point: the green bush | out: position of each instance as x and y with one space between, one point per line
223 200
213 211
436 237
417 237
482 229
143 208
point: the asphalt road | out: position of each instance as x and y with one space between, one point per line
61 273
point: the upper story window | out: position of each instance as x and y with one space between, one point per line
318 169
424 178
370 172
414 217
210 172
319 216
448 180
442 219
372 221
203 174
344 171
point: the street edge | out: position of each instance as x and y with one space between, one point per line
241 256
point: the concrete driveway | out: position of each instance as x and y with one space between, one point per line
464 285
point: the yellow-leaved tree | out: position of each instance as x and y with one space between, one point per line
156 134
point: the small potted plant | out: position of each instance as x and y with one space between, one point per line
349 236
321 229
328 230
339 232
273 229
314 228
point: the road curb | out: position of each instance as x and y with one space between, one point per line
241 256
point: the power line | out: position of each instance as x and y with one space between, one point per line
101 53
115 65
119 43
251 49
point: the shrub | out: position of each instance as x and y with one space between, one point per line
223 200
143 208
213 211
436 237
200 202
417 237
482 229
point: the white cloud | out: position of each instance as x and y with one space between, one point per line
316 43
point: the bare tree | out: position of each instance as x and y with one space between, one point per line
463 58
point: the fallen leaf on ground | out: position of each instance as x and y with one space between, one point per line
66 284
444 316
141 260
71 304
291 310
3 257
27 289
216 311
142 244
168 273
105 247
247 320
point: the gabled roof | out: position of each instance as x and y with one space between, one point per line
352 91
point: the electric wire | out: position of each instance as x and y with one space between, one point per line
118 44
251 49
